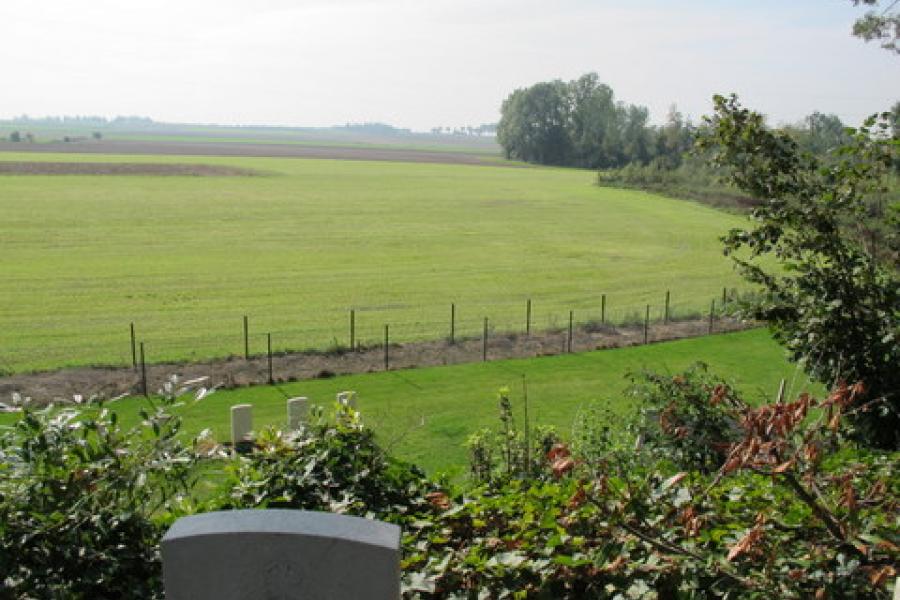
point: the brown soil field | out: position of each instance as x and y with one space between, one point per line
90 168
252 149
233 372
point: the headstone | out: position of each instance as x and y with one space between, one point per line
280 554
297 409
347 399
241 424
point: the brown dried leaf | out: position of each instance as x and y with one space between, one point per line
438 500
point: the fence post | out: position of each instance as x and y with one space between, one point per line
666 316
528 318
133 349
143 373
269 354
647 324
569 340
246 339
712 309
387 343
603 309
452 323
724 298
484 344
352 330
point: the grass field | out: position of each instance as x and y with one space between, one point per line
186 257
425 415
329 136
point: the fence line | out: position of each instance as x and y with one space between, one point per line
256 336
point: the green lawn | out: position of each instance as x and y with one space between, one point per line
185 258
425 415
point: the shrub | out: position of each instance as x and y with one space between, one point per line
691 418
331 465
83 502
497 455
779 519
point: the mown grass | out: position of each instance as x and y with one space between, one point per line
186 257
425 415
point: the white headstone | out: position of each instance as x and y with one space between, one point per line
297 409
280 554
241 423
347 399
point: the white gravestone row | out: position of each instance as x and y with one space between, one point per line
280 554
297 413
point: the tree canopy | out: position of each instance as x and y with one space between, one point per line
834 298
580 123
883 26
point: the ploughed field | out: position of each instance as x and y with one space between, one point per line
295 244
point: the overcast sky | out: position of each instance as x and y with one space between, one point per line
422 63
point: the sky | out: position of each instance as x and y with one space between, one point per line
425 63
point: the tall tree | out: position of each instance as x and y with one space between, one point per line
833 300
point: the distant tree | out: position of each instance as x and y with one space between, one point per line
97 135
594 123
674 139
637 137
533 126
577 123
15 136
883 26
820 133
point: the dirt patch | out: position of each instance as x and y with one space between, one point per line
261 150
91 168
236 372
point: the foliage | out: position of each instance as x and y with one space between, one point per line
579 123
83 502
834 301
509 452
692 180
792 513
331 465
883 26
690 418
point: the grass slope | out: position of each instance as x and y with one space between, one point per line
425 415
186 257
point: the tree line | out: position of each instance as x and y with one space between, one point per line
581 124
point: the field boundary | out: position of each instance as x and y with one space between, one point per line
263 150
279 367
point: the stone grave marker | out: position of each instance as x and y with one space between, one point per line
280 554
347 399
241 425
297 410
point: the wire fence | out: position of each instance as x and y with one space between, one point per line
364 328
